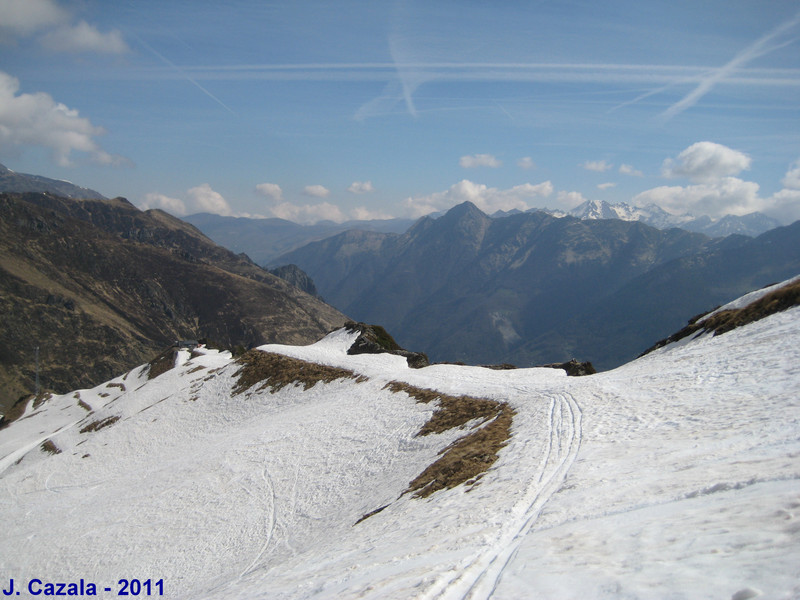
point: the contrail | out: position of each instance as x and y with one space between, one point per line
183 73
754 50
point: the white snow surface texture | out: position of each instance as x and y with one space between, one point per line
674 476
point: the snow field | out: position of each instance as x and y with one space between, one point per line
675 476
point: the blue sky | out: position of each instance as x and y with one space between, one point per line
358 109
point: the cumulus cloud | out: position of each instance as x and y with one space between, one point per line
570 200
605 186
361 187
792 178
83 37
728 195
270 190
720 196
479 160
25 17
363 213
173 206
785 205
203 199
316 191
38 120
489 200
308 213
704 162
597 165
630 170
22 18
526 162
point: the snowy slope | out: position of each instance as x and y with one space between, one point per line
674 476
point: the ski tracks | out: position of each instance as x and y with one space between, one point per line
270 520
479 576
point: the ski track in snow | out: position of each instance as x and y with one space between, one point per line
479 577
269 519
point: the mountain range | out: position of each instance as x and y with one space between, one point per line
309 473
99 286
532 288
751 224
265 239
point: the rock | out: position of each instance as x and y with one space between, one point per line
574 368
374 339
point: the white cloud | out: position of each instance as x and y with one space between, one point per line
526 162
21 18
570 200
785 205
84 38
489 200
728 195
270 190
362 213
705 162
361 187
792 178
597 165
479 160
630 170
174 206
203 199
38 120
308 213
24 17
198 199
605 186
316 191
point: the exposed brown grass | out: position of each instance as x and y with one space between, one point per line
50 447
468 458
116 385
275 371
16 411
453 411
728 320
161 363
98 425
84 406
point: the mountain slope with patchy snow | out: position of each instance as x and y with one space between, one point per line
676 475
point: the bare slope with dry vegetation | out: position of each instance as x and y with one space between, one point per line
486 423
101 286
722 321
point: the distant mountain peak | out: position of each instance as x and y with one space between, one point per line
751 225
20 183
465 209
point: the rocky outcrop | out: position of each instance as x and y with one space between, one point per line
574 367
374 339
297 277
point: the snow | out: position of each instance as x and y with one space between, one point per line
743 301
674 476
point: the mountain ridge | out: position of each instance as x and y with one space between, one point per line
751 224
11 181
125 283
466 287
